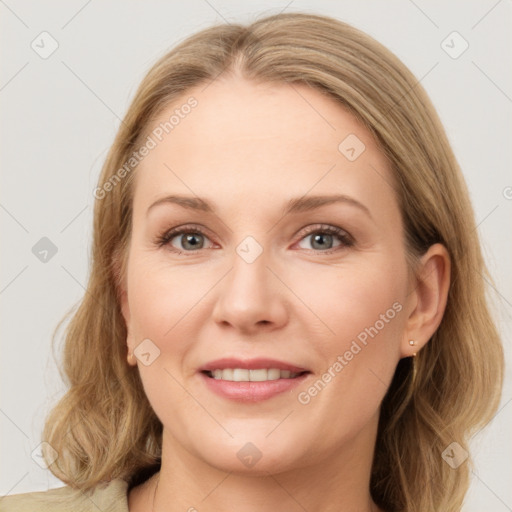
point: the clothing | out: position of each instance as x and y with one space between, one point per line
109 497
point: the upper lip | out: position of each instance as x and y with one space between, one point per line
250 364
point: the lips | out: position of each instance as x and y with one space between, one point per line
251 364
251 380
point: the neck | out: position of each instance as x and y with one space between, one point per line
339 482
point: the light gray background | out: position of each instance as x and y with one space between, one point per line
60 115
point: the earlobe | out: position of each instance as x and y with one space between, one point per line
130 358
429 298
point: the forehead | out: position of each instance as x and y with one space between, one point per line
263 140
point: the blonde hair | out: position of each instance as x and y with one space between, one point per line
104 426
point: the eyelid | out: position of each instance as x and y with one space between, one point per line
322 228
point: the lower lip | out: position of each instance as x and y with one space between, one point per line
251 391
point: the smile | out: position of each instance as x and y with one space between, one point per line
256 375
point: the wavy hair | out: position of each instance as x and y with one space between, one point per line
104 426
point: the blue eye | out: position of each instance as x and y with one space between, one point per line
321 241
185 239
323 238
191 241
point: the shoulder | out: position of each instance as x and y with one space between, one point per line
108 497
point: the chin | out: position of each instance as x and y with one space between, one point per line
257 458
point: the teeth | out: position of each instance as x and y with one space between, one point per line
240 375
273 374
260 375
257 375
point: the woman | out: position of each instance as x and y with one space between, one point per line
286 304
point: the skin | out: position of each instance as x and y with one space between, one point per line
248 149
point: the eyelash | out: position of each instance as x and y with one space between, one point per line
345 239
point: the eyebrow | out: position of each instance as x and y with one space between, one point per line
297 205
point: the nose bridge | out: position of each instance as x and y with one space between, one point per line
248 296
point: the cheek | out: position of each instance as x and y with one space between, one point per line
162 296
169 305
357 302
163 308
365 310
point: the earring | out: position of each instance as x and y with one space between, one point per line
131 359
413 343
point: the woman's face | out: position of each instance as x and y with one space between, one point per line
266 236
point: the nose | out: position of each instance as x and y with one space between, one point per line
251 298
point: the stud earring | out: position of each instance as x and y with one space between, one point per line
413 343
130 358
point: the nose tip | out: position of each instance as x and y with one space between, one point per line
249 297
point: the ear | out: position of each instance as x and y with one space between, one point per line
122 297
427 301
125 310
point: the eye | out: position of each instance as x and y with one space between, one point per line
185 239
326 239
323 238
